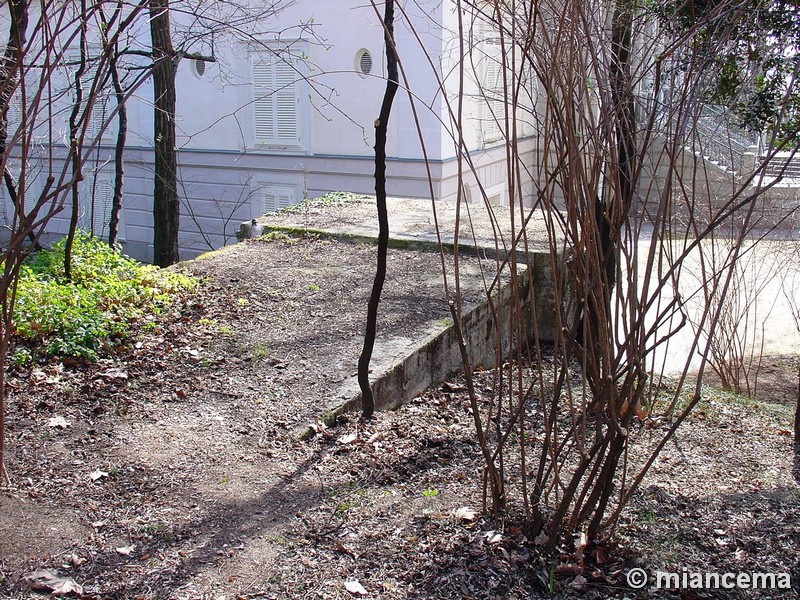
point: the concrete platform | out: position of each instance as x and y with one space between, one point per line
407 363
415 221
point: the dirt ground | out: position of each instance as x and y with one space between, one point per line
175 471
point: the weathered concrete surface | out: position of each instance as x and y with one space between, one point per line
405 367
489 228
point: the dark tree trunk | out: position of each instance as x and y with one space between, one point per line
797 431
119 149
9 78
166 205
9 69
381 128
77 118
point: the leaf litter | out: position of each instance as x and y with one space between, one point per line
198 486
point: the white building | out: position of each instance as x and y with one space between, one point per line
282 116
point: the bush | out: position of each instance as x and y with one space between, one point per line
109 292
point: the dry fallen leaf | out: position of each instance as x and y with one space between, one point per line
355 588
579 583
344 549
494 537
568 568
47 580
449 386
38 376
76 561
376 437
600 555
580 546
98 474
58 421
465 514
125 550
347 438
113 373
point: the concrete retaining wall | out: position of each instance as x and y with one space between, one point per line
486 328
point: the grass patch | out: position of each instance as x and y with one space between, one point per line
329 199
95 310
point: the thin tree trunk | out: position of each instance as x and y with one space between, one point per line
77 118
797 431
119 149
166 205
381 128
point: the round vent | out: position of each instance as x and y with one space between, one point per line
364 62
199 67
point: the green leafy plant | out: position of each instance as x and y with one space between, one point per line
21 358
95 309
260 351
329 199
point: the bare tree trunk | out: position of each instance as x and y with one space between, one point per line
797 431
9 73
77 118
381 127
119 149
9 78
166 205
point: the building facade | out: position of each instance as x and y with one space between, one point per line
267 118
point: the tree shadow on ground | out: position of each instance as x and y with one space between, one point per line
169 560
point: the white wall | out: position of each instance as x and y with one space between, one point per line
224 172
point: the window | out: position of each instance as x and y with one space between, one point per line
277 86
269 197
97 195
102 108
15 109
493 92
30 195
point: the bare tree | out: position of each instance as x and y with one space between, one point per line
381 128
627 199
166 204
30 83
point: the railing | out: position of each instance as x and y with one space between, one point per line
785 165
718 140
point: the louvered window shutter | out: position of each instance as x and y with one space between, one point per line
100 112
270 198
97 195
275 102
286 103
263 102
101 107
493 92
15 108
104 194
14 113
